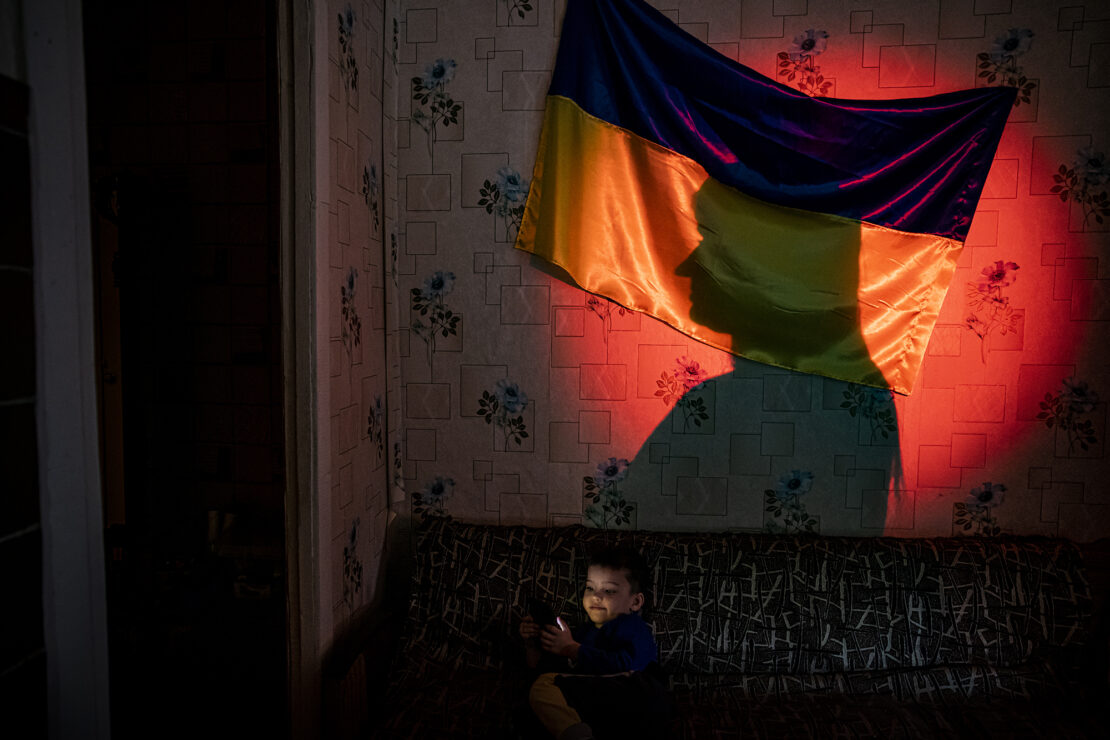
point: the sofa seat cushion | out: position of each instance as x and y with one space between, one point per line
438 701
766 636
1032 681
748 603
829 717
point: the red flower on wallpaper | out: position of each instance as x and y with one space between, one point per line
990 311
998 275
678 386
689 372
605 309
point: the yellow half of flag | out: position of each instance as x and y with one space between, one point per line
647 227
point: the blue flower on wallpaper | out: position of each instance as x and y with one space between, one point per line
370 192
989 495
398 468
1012 44
395 45
1080 398
808 44
793 484
503 408
512 399
432 500
1000 64
375 425
1069 412
393 257
1091 166
797 63
976 515
434 318
611 471
783 503
438 73
511 183
438 491
873 405
438 284
605 503
348 66
351 330
504 197
989 309
1084 183
352 566
677 387
434 107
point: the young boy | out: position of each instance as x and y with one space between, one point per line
601 675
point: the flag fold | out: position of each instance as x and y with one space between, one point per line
808 233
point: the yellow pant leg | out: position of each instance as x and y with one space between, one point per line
551 706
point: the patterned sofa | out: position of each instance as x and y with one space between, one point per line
773 636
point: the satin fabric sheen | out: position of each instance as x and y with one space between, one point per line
913 164
814 234
650 229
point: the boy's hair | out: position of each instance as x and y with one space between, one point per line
628 560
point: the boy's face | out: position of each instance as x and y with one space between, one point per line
608 594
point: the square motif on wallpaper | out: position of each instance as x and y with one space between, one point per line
565 444
907 66
746 457
1090 300
421 26
570 321
980 403
524 90
603 382
702 496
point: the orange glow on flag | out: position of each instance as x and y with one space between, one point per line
649 229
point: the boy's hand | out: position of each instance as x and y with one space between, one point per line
528 628
559 641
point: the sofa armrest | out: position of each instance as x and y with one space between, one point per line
356 674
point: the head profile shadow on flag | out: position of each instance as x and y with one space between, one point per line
812 234
772 298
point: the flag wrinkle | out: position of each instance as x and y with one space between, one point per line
810 234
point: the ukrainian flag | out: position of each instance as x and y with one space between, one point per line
813 234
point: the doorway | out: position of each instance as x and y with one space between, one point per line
183 165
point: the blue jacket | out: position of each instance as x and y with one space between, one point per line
623 644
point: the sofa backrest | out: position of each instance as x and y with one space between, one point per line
751 603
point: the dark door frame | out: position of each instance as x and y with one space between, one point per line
74 601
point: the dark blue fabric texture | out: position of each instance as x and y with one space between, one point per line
912 164
623 644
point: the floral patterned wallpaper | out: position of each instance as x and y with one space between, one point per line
356 211
514 397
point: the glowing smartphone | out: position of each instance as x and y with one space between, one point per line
543 614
